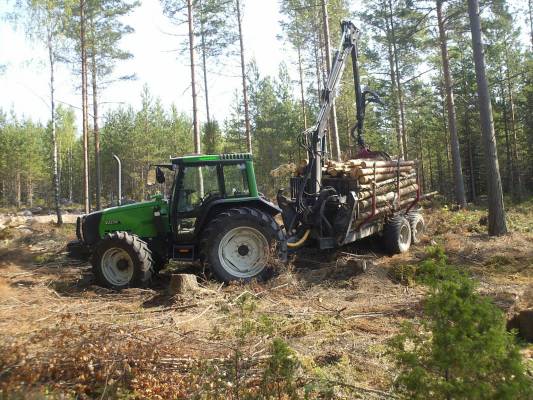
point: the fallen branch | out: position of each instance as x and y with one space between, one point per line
184 307
370 314
388 395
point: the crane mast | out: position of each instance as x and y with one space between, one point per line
315 136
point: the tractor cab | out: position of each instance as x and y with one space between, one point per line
203 185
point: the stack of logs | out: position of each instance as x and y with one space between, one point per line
381 176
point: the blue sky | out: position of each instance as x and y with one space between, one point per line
24 84
157 64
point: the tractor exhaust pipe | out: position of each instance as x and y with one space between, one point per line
119 174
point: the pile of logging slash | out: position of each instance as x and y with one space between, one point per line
393 183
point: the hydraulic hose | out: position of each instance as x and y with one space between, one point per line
299 242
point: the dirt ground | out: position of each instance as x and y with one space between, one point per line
64 337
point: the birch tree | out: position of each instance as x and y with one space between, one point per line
44 22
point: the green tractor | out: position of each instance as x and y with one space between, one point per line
214 213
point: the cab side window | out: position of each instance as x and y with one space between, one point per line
236 180
199 184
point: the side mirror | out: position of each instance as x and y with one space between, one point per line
159 175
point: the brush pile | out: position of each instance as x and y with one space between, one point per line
393 183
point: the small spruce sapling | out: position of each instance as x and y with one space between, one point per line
461 349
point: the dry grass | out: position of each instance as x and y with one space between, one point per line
63 336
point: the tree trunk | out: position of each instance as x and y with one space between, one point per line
334 131
143 185
440 172
496 218
468 132
445 136
83 50
302 90
54 133
452 120
516 178
317 69
473 192
349 152
421 162
204 67
70 177
398 82
196 124
18 189
509 169
431 181
394 94
244 84
96 130
29 193
323 73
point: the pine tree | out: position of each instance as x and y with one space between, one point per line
105 31
496 218
461 348
450 104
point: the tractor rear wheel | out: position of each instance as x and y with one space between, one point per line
122 260
397 235
241 244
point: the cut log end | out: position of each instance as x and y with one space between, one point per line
182 283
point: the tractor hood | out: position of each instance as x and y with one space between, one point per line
129 207
136 218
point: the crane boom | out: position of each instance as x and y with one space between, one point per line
316 134
310 199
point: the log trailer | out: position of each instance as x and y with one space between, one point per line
215 214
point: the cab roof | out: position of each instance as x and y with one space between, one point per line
202 158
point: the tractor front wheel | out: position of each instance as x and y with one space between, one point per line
122 260
241 244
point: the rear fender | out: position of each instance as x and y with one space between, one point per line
218 206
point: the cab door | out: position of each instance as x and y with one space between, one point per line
197 186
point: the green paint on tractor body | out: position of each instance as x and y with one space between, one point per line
137 218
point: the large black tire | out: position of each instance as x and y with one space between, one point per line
122 260
418 226
242 244
397 235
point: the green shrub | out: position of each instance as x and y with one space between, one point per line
461 349
279 376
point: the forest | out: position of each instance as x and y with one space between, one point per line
402 60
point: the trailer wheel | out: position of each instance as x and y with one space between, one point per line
122 260
397 235
241 244
418 226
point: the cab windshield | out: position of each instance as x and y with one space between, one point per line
201 184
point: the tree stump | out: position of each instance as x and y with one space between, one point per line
182 283
523 323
